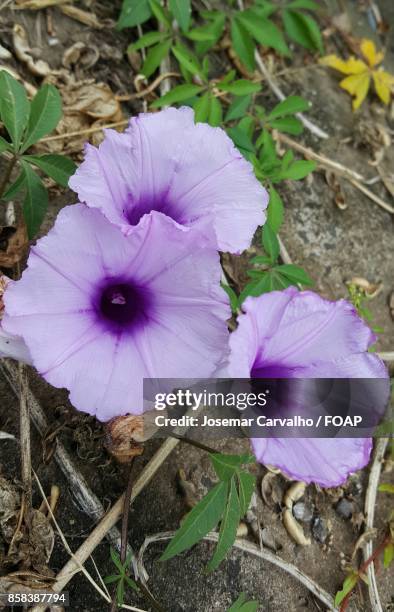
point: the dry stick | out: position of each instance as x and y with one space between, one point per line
369 510
148 90
24 434
372 196
314 129
251 549
386 355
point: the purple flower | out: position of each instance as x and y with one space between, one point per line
100 311
190 172
10 346
292 334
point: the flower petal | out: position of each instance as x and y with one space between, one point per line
14 347
190 172
357 85
54 308
326 461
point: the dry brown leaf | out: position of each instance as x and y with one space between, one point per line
23 52
271 490
93 99
80 54
89 19
14 243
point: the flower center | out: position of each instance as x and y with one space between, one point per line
122 304
135 210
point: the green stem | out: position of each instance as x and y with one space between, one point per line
7 175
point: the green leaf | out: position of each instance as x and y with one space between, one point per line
155 56
295 274
130 582
348 585
201 108
58 167
116 560
4 145
36 201
309 5
388 555
147 40
303 29
225 466
14 108
120 592
228 528
386 488
202 34
15 187
243 44
289 106
247 483
201 519
275 210
160 14
134 12
242 605
270 242
215 112
111 579
188 61
45 113
238 108
181 9
298 170
291 125
242 87
265 32
241 139
260 260
232 296
178 94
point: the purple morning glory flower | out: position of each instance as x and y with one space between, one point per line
292 334
99 310
165 162
10 345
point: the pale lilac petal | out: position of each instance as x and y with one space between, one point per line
292 334
190 172
14 347
326 461
100 310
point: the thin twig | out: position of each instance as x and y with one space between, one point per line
314 129
251 549
369 511
87 131
372 196
148 90
24 434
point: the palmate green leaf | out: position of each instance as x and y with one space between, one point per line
388 555
294 274
178 94
155 56
15 187
134 12
4 145
112 578
35 203
275 211
241 87
304 4
264 31
303 29
201 108
241 139
45 113
215 112
228 528
147 40
270 242
214 29
246 484
14 108
243 44
238 108
116 560
181 9
225 466
297 170
243 605
348 585
58 167
289 106
187 59
201 519
290 125
120 589
160 13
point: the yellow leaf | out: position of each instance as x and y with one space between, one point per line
368 50
383 82
357 85
350 66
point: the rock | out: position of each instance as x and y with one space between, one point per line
344 508
302 512
319 530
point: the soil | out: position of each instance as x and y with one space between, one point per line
333 245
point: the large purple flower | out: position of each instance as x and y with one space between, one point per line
292 334
100 311
190 172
